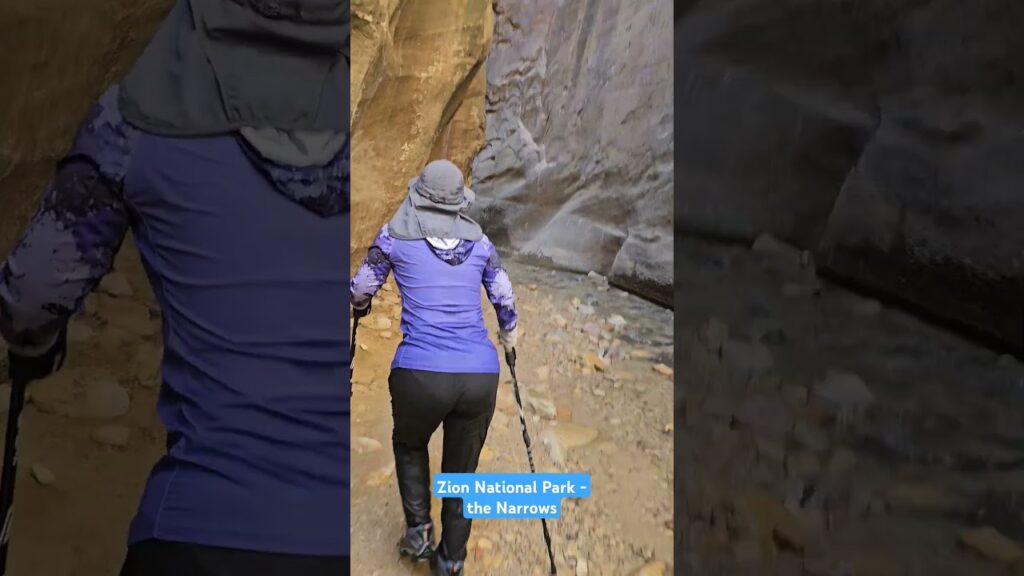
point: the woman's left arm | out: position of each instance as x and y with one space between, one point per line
499 291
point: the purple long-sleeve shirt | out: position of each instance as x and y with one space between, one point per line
248 261
442 320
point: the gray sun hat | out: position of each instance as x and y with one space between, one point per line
275 70
435 206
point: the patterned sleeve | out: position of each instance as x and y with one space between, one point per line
499 289
373 271
73 237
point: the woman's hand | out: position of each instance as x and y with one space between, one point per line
358 313
508 338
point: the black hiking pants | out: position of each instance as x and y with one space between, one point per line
163 558
420 402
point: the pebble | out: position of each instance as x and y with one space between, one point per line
386 334
592 329
563 413
616 321
116 284
712 334
746 358
559 320
115 436
991 544
586 310
844 389
542 406
379 322
591 360
105 398
56 393
770 519
362 445
770 245
866 307
43 475
662 369
573 435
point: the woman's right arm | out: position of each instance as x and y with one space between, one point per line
372 272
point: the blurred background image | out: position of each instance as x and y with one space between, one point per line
849 281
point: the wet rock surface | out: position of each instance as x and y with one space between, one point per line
613 422
577 168
873 444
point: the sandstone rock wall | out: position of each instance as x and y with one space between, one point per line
56 57
884 136
577 169
417 95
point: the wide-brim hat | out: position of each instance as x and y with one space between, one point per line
217 66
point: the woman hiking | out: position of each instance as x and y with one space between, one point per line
446 369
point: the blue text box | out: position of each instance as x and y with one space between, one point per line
518 495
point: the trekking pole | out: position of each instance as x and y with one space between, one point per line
510 359
356 315
10 466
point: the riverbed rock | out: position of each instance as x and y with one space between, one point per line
922 498
844 390
991 544
43 475
362 445
577 167
114 436
116 284
747 358
105 398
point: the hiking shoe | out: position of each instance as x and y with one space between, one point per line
417 542
446 567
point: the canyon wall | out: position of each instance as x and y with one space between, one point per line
577 168
884 136
57 57
417 95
